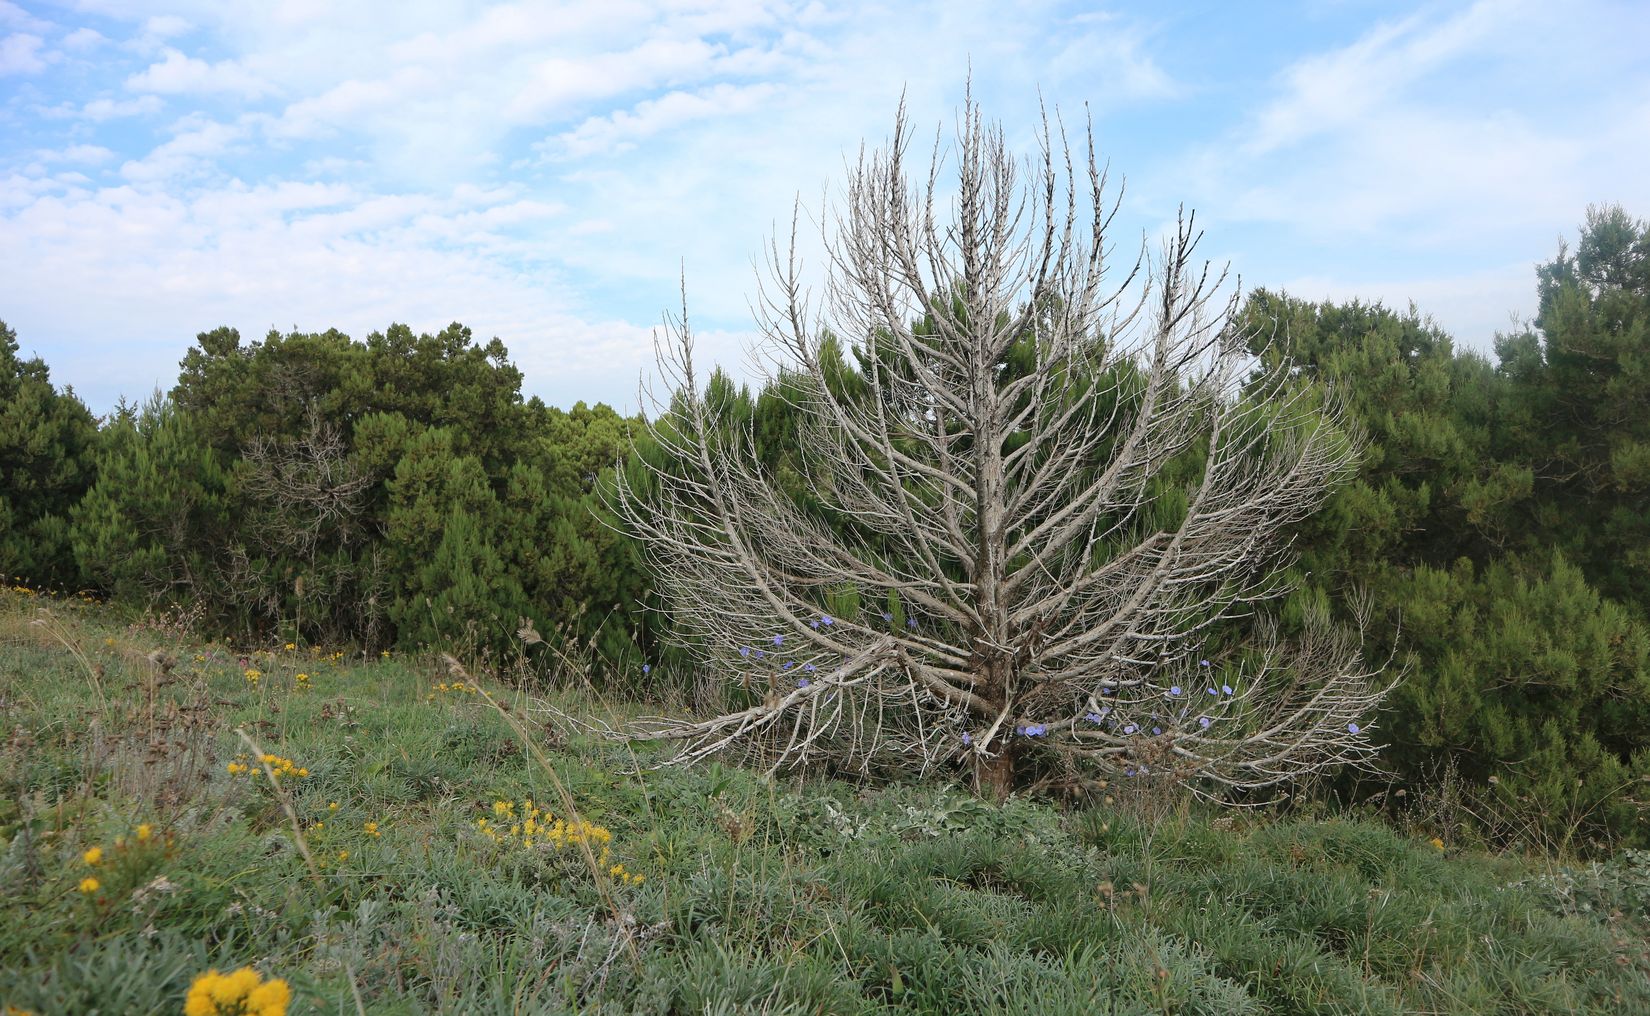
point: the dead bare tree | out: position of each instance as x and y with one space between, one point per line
996 482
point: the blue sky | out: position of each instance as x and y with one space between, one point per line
545 172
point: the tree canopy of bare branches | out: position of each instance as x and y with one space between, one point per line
1047 483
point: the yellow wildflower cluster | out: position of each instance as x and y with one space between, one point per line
252 674
301 681
452 688
242 993
370 828
280 765
531 826
94 856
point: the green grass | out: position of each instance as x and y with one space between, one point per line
759 895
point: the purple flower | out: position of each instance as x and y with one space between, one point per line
968 738
1035 730
1131 728
1156 731
1128 771
1226 688
825 619
803 683
813 624
744 650
1353 727
808 667
1213 692
647 668
1174 690
779 640
788 665
910 622
1093 718
887 616
761 655
1203 663
1203 721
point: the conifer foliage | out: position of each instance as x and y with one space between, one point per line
46 439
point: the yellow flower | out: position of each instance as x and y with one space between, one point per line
93 855
242 993
332 805
231 988
144 832
343 855
290 647
1435 841
90 885
269 999
370 828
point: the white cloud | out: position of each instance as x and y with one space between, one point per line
1111 57
17 17
189 153
1469 132
1471 306
544 169
99 110
349 102
20 54
559 85
623 128
180 74
310 256
83 40
165 26
84 154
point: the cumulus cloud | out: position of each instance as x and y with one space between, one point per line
84 40
20 54
189 153
109 109
89 155
17 17
165 26
625 127
559 85
310 256
180 74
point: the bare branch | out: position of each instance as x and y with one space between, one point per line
1042 490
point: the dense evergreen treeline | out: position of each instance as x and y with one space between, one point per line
400 490
397 490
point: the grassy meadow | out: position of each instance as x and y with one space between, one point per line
385 836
